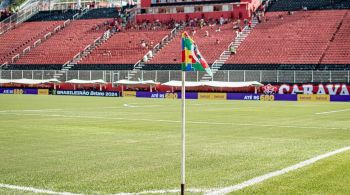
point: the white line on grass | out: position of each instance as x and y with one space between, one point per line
142 106
35 190
193 190
42 110
262 178
216 191
176 121
334 111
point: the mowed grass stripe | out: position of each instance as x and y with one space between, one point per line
224 190
50 115
329 176
108 156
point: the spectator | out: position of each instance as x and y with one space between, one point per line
259 18
206 33
145 58
143 44
193 32
113 22
238 23
217 41
250 24
201 23
218 30
245 22
221 20
233 50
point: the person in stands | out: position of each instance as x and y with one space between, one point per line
237 33
145 58
143 44
201 23
193 32
221 20
233 50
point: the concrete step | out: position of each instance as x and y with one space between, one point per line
225 57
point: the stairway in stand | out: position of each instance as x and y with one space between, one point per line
226 54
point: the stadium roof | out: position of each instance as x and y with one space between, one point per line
28 81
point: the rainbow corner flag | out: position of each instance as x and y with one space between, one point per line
192 59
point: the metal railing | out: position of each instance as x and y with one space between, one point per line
3 65
18 18
71 4
265 76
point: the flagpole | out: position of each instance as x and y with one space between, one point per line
183 136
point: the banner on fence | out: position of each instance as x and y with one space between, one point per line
261 97
86 93
321 89
24 91
129 93
212 96
43 92
313 98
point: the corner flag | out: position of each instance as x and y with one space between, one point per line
192 59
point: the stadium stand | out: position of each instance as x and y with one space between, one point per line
338 51
101 13
123 48
294 5
53 15
284 41
4 14
21 37
61 47
210 46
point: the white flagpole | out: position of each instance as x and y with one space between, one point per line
183 136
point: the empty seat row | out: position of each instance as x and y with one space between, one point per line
64 45
125 47
13 42
210 46
292 5
301 38
53 15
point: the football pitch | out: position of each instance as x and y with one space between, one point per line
96 145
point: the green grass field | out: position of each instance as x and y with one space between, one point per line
96 145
